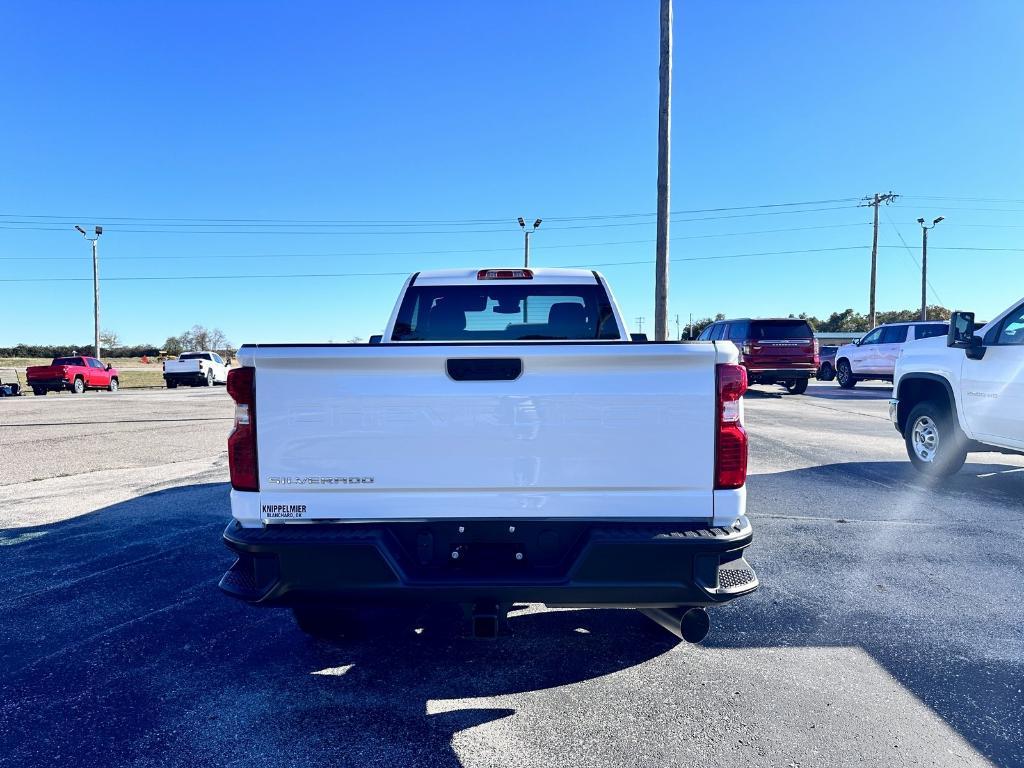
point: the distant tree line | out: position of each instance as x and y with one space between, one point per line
199 338
64 350
846 321
195 338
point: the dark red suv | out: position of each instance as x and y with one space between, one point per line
773 350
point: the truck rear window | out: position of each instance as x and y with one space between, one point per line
780 329
66 361
505 313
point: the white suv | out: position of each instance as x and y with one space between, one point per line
874 355
963 393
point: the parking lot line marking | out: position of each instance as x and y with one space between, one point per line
117 421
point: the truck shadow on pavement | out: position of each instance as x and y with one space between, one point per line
880 391
117 647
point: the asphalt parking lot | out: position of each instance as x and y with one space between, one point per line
888 630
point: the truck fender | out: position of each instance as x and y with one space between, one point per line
914 388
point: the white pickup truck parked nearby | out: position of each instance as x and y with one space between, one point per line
874 355
505 441
962 393
196 368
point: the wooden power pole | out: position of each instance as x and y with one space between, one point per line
874 201
664 169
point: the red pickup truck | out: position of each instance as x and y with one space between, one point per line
74 373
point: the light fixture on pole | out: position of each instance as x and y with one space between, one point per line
526 244
924 264
95 284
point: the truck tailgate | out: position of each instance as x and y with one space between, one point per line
181 366
585 430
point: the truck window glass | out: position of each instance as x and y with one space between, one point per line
873 337
1013 328
489 312
928 331
738 331
894 334
780 329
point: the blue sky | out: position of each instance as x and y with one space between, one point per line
125 113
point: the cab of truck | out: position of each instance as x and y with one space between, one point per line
505 305
961 392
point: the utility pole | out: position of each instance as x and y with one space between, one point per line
95 284
679 333
664 169
874 201
640 325
924 264
526 243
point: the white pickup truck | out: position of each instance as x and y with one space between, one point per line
197 369
504 441
961 393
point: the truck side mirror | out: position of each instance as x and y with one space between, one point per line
961 335
109 366
961 330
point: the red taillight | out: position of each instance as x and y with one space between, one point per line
242 440
730 438
505 274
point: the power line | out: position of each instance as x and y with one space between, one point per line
965 199
910 253
411 222
48 227
434 252
406 272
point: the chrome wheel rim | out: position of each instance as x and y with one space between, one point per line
843 372
113 386
925 439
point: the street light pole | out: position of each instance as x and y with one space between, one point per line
924 264
526 242
95 284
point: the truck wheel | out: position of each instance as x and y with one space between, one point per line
325 622
172 384
39 391
935 444
79 386
209 378
796 386
112 387
845 375
827 372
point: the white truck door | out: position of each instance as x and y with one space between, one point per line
863 358
992 389
888 348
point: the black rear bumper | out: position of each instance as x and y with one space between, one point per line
51 385
559 563
185 378
777 375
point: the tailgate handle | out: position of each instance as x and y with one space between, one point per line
485 368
